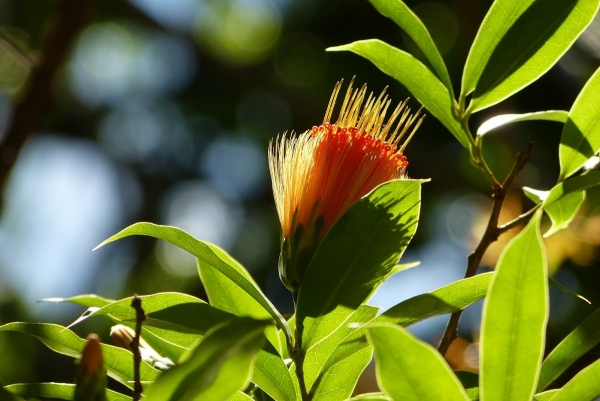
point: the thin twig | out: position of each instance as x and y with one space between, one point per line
140 316
491 234
30 105
524 218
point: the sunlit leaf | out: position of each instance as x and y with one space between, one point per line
6 395
514 319
563 211
355 255
545 396
574 184
410 369
585 337
226 295
88 300
218 367
470 382
580 138
371 397
518 42
272 375
398 12
559 116
61 391
339 380
448 299
584 386
415 76
118 362
239 396
205 253
328 352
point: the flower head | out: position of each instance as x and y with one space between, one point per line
319 174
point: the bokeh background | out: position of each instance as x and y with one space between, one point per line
162 111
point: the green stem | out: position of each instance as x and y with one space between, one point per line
297 353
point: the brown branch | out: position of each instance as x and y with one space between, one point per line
140 316
32 102
491 234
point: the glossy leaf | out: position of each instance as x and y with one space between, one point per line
339 380
218 367
226 295
560 116
355 255
371 397
514 319
518 42
272 375
61 391
585 386
585 337
6 395
328 352
415 76
571 185
447 299
580 138
118 362
545 396
88 300
410 369
398 12
239 396
207 254
563 211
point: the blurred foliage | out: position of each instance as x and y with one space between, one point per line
178 100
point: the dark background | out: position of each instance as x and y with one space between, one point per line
113 112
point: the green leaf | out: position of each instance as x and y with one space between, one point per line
470 382
239 396
218 367
119 362
226 295
447 299
371 397
514 319
410 369
355 255
328 352
585 337
6 395
545 396
272 375
415 76
571 185
61 391
580 138
563 211
557 285
88 300
585 386
518 42
206 253
340 379
560 116
398 12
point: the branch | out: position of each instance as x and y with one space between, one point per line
30 105
491 234
140 316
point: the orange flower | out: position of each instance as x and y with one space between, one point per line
318 175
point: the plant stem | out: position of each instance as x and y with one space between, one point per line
297 353
140 316
491 234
